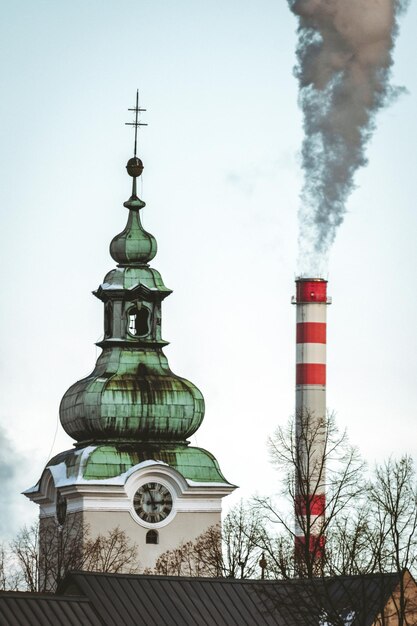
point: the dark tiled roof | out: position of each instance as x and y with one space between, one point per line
38 609
134 600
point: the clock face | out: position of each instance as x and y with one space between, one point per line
152 502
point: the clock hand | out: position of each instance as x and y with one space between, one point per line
154 506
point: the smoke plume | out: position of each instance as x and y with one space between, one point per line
344 58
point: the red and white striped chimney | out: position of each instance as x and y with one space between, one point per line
310 498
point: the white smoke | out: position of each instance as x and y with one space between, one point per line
344 58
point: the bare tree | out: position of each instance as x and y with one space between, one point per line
278 551
370 527
3 567
393 497
61 548
10 574
25 550
112 552
351 541
231 551
206 553
243 535
337 470
181 561
40 559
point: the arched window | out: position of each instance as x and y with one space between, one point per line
138 321
61 508
152 536
108 319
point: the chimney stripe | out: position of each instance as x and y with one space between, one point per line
316 504
311 313
316 524
311 291
311 332
310 374
316 545
311 353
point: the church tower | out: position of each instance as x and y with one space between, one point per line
132 466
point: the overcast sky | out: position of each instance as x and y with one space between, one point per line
221 182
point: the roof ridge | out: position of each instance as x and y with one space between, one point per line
223 580
39 595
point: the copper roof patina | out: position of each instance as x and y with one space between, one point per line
107 461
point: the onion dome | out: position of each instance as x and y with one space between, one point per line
133 246
132 396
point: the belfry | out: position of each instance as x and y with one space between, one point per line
131 466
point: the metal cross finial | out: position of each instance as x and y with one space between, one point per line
136 123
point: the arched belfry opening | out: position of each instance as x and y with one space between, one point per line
138 321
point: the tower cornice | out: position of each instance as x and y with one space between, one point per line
138 292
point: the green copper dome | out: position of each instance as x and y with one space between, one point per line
133 246
132 395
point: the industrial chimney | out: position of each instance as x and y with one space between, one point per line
310 498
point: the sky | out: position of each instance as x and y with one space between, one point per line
221 182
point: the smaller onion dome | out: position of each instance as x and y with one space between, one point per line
134 245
